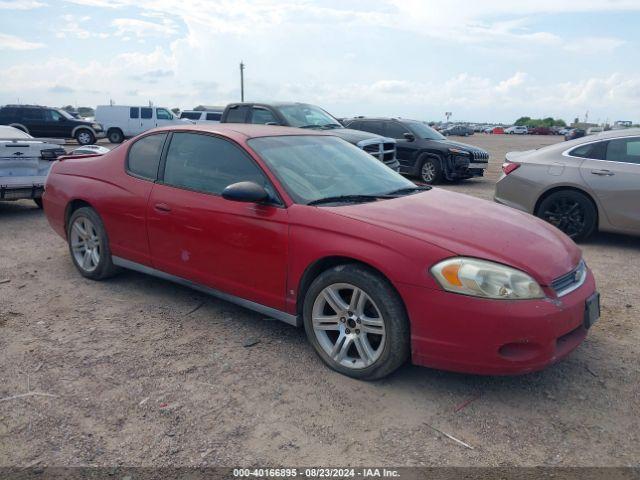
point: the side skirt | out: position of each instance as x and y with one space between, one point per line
270 312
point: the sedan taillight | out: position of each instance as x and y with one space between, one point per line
509 167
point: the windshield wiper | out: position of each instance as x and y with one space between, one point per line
348 198
408 190
326 126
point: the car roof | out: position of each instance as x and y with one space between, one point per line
242 130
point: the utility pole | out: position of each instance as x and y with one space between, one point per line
241 81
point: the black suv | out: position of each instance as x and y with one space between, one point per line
304 115
49 122
425 153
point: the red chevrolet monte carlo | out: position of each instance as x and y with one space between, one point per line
307 228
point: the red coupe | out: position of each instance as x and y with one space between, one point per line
309 229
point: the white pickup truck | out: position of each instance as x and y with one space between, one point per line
24 164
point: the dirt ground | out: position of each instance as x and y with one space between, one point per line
136 374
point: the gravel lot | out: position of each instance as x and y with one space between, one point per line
139 375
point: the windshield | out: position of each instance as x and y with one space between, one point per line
301 115
65 114
316 167
422 130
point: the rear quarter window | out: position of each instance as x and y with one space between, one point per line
594 151
144 156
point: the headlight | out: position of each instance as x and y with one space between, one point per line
481 278
457 151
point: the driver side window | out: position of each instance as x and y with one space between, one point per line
208 164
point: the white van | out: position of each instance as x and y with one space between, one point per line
120 121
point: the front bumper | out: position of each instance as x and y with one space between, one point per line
493 337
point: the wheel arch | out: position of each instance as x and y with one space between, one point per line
322 265
71 207
559 188
82 127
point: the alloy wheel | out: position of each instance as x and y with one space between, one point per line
567 215
348 325
85 244
84 138
428 171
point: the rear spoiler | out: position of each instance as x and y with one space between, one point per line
67 157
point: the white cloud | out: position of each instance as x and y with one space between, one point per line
11 42
125 27
20 4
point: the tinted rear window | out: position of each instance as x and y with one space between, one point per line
144 156
214 116
191 115
595 151
237 114
146 112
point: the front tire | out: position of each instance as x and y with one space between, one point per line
115 135
85 137
356 322
570 211
89 245
38 202
430 170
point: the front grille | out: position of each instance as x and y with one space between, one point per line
385 151
569 282
479 155
372 149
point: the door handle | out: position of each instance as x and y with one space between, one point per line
603 173
162 207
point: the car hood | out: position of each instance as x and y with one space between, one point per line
355 136
462 146
468 226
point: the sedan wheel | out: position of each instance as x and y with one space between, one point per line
85 244
348 325
571 212
356 322
89 244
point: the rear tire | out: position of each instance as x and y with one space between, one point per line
85 137
430 170
356 322
115 135
571 212
89 245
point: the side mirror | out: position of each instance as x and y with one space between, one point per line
409 136
245 192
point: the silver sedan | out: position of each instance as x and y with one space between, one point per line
588 184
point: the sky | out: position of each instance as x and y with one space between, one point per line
481 60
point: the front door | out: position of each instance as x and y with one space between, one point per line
164 117
615 180
238 248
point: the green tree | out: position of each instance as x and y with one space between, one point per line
522 121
